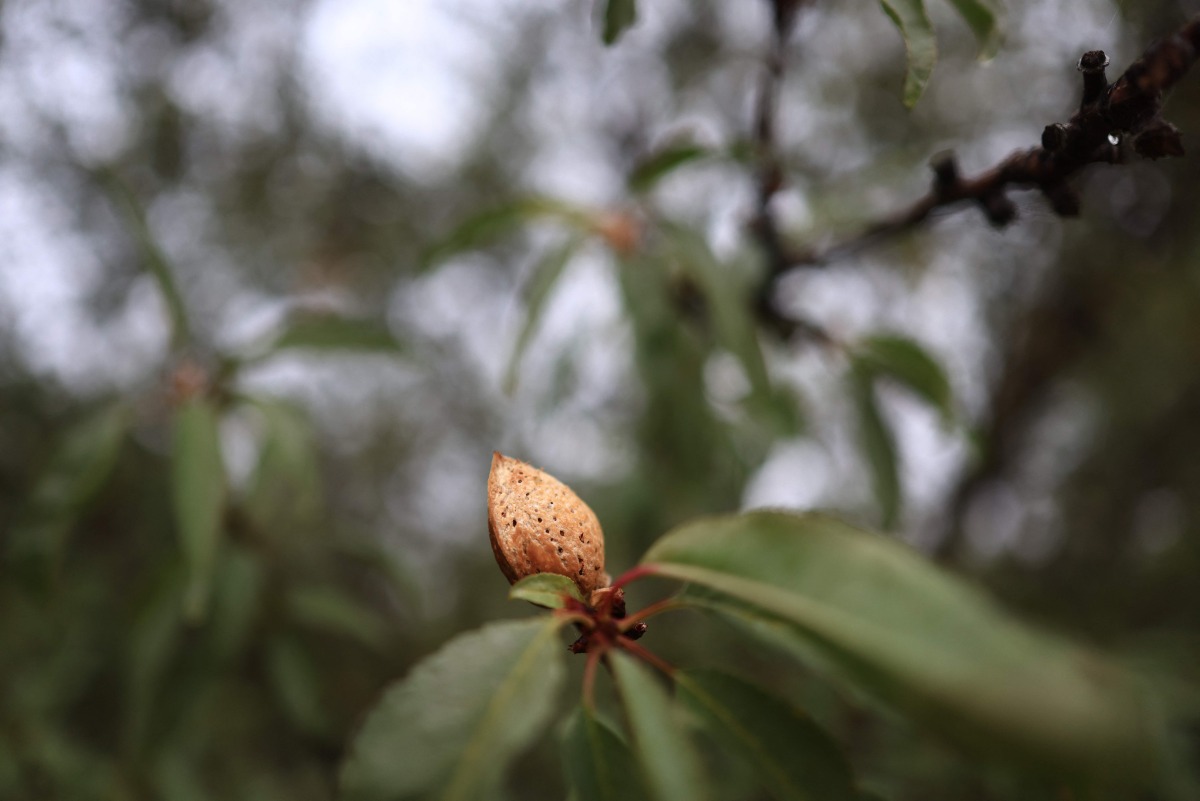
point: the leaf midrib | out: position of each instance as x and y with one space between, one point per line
733 725
466 773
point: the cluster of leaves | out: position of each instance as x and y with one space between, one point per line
864 612
858 607
254 630
669 274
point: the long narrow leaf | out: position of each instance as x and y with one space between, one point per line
198 496
618 15
728 302
878 444
880 617
538 291
293 675
451 727
793 758
334 610
284 495
78 468
668 761
599 765
906 362
334 332
154 259
920 42
153 639
659 165
483 228
984 21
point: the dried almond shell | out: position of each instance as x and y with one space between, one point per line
538 525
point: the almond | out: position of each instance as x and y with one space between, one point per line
538 525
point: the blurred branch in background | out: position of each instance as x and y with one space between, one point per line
771 177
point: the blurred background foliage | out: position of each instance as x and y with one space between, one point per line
276 278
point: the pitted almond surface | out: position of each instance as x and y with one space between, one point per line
538 525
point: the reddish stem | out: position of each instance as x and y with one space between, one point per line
585 621
646 656
633 574
665 605
589 680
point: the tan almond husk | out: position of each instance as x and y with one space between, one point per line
538 525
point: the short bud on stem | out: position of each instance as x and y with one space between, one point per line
1095 84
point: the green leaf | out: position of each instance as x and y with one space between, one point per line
178 777
77 470
154 258
919 42
81 463
330 609
537 292
878 445
678 426
310 331
198 496
238 590
618 15
296 681
668 761
285 492
453 725
545 589
729 303
660 164
727 300
905 361
879 616
153 641
792 757
984 20
483 228
366 551
597 761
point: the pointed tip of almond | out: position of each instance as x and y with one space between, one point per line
536 524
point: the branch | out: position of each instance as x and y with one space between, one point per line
1130 108
770 180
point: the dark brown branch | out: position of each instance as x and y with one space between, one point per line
1128 108
770 179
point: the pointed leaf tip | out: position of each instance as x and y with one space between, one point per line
618 16
906 361
920 43
878 445
545 589
984 20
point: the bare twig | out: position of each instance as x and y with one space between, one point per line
1129 108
